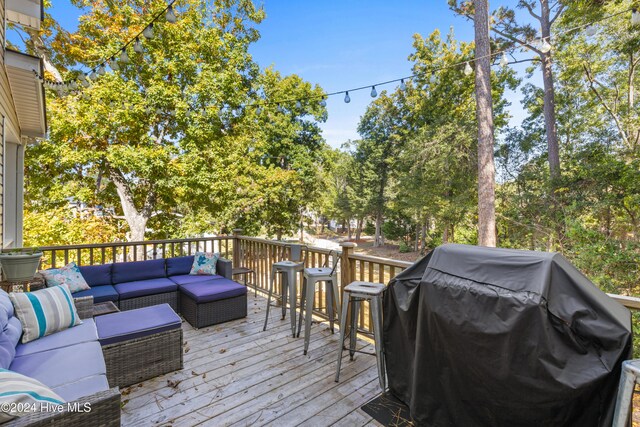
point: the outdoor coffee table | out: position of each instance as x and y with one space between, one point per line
102 308
140 344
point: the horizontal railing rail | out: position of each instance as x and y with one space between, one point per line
105 253
257 254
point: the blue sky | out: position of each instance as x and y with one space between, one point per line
341 45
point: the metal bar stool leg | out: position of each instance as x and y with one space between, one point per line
311 288
292 276
353 330
328 297
283 294
343 326
303 298
377 333
628 380
336 295
273 276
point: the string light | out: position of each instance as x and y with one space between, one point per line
114 64
504 61
137 46
323 102
170 16
544 46
124 56
467 69
433 79
635 17
347 98
403 86
101 70
374 93
298 105
148 32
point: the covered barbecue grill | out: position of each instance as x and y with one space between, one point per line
479 336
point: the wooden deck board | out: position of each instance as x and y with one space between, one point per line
236 374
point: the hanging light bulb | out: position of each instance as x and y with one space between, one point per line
403 86
544 46
467 69
258 111
347 98
323 102
504 61
137 46
635 17
374 93
298 105
148 32
170 16
433 79
101 70
74 85
92 75
590 30
84 81
124 57
114 64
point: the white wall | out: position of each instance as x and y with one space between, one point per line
13 180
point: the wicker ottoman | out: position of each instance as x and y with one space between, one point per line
140 344
213 301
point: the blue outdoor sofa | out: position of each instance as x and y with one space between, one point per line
202 300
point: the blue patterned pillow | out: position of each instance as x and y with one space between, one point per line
45 311
204 263
69 275
22 395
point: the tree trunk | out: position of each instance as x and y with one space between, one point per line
349 231
416 243
136 218
549 106
445 234
379 237
484 114
359 229
301 228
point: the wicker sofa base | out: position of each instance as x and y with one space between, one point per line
140 359
214 312
170 298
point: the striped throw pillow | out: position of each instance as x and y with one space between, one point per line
21 395
45 311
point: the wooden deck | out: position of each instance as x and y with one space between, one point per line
236 374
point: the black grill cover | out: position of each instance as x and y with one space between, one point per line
480 336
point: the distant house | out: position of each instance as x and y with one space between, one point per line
22 115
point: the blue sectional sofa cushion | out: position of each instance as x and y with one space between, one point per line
82 388
213 290
143 288
97 275
99 293
64 365
142 322
186 279
179 266
10 331
85 332
138 270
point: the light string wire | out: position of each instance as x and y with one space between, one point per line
527 44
